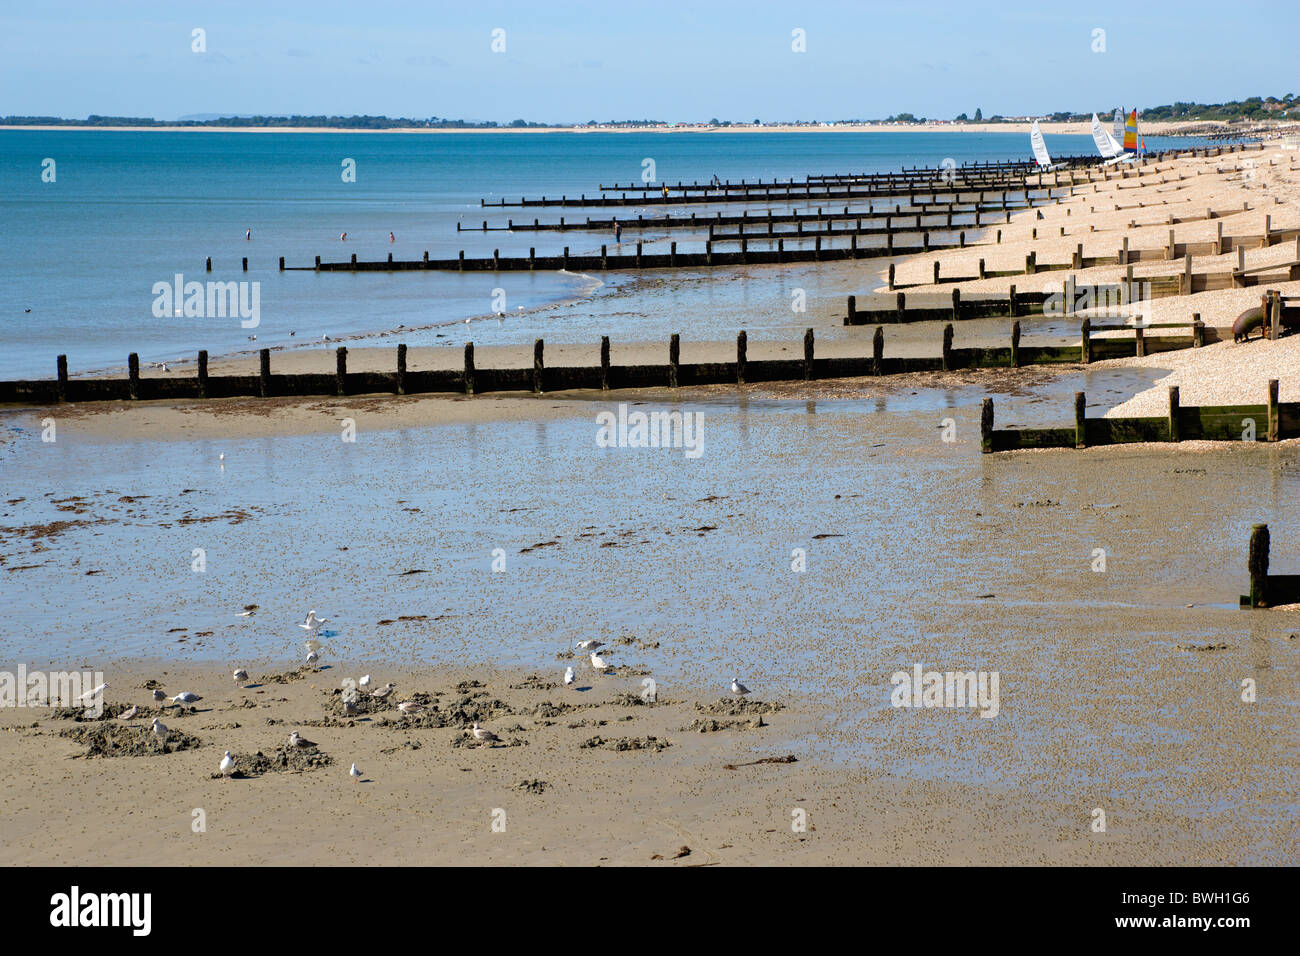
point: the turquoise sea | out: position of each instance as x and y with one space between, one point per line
128 209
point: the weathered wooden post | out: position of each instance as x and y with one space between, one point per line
133 376
1011 301
1257 565
203 373
986 426
674 359
1085 343
891 277
401 369
264 373
742 356
1029 264
878 352
208 264
341 370
672 254
1080 422
318 263
947 347
1198 331
956 304
539 365
1274 314
354 262
282 263
981 270
808 354
62 388
604 363
1274 425
469 368
936 272
1175 434
1015 344
853 308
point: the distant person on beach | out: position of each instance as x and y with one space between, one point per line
391 237
665 190
248 235
343 237
618 231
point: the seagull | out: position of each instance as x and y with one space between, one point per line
589 645
227 764
221 457
160 730
364 683
381 694
738 688
242 613
354 773
598 662
411 707
158 694
313 659
91 695
129 714
484 736
349 708
311 622
185 697
324 338
298 740
240 675
568 676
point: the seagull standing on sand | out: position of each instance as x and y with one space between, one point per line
589 645
185 697
349 708
129 714
484 736
227 765
598 662
381 694
411 708
160 730
87 697
241 676
298 740
313 658
738 688
354 773
158 694
364 683
568 676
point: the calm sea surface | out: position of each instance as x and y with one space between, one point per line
131 209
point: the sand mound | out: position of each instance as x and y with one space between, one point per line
738 707
285 760
123 740
626 743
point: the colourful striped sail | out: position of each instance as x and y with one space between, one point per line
1131 132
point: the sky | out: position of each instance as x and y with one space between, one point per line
668 60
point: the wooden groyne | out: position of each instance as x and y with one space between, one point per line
1267 590
471 379
1270 421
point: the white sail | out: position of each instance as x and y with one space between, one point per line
1106 144
1040 148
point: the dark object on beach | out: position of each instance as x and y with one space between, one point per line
788 758
1248 320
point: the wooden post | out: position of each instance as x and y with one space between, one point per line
1274 426
539 365
1185 285
853 307
282 263
1175 434
674 359
1080 422
947 347
1169 250
936 272
264 373
1078 257
203 373
604 363
1085 343
1139 341
742 356
62 363
401 369
1238 280
469 368
1029 264
1011 302
981 272
208 264
133 375
891 277
1257 565
956 304
1123 253
1015 344
1198 331
808 354
341 370
986 426
1274 314
878 352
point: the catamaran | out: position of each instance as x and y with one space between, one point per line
1041 156
1111 151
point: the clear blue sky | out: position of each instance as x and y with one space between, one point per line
670 60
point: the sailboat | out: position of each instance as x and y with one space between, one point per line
1041 156
1133 142
1111 151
